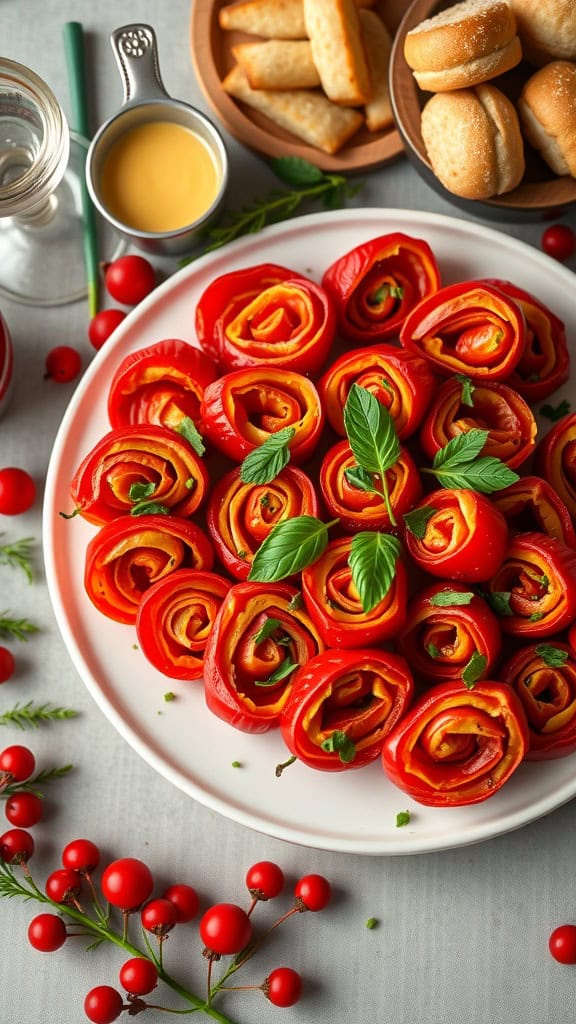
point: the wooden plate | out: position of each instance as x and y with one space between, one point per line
212 59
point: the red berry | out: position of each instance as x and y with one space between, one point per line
63 364
265 880
7 664
18 762
103 325
103 1004
283 986
313 891
559 241
16 846
562 944
47 932
138 976
64 885
17 491
225 928
158 916
127 883
130 279
23 809
81 855
185 901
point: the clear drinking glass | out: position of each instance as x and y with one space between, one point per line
41 176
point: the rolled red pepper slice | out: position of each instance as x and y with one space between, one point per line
242 409
261 636
459 636
162 384
175 617
470 328
457 746
358 509
496 407
239 516
342 705
290 325
129 554
555 460
534 590
544 677
531 504
402 381
227 295
464 537
375 285
132 465
545 364
335 607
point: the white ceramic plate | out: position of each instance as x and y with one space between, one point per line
352 811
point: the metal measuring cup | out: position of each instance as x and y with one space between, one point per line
146 100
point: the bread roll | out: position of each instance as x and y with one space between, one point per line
473 141
547 29
547 108
469 43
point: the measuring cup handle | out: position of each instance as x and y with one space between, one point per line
136 54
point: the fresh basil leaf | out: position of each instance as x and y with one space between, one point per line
265 462
339 743
360 478
141 491
267 630
474 670
499 601
289 547
281 673
296 171
450 598
372 559
371 431
467 389
416 520
149 508
462 448
189 431
485 475
552 656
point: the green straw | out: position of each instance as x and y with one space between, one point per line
74 50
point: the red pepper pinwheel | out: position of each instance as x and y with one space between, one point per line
175 617
556 460
531 504
457 534
534 590
137 469
375 285
545 363
240 515
544 677
242 409
161 384
402 381
358 509
334 604
129 554
457 746
290 325
470 328
450 633
495 407
228 295
261 636
342 705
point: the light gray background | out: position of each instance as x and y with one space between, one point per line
462 935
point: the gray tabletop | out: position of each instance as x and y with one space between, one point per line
461 935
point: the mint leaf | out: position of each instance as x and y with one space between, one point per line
289 547
474 670
264 463
372 559
189 431
449 598
360 478
296 171
552 656
416 520
138 492
339 743
499 602
281 673
462 448
267 630
467 389
371 431
149 508
485 475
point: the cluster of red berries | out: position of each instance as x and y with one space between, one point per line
23 807
127 884
128 280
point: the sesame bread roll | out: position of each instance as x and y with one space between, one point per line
547 108
547 29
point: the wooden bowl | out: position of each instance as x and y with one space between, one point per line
212 59
540 196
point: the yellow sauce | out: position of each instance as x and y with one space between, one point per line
159 176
